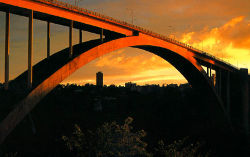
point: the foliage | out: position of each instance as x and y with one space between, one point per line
180 148
110 140
11 154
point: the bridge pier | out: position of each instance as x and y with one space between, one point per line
71 39
218 82
7 48
207 71
213 79
234 88
210 73
48 40
228 91
240 101
30 50
80 36
248 96
101 35
224 88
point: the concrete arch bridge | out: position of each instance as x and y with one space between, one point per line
227 90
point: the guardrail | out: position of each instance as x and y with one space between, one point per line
128 25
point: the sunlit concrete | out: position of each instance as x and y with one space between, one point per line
59 15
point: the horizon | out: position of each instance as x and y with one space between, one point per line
123 85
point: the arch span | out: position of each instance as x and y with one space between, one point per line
181 58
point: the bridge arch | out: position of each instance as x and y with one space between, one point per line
181 58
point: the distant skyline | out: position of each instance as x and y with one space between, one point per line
219 27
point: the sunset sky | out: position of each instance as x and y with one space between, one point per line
219 27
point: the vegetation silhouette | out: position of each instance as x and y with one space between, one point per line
168 113
114 140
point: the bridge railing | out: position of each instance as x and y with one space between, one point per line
127 25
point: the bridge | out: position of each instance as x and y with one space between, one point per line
227 90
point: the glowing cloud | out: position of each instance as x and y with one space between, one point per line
230 42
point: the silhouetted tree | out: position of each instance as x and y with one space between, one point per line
180 148
110 140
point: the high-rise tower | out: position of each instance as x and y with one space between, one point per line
99 79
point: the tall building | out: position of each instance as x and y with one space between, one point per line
99 79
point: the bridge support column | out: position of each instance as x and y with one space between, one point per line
80 36
228 92
71 39
48 40
249 91
7 47
248 96
225 89
210 72
240 101
207 71
218 82
30 50
101 35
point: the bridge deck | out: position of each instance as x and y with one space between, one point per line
62 13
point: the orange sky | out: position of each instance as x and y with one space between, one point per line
220 27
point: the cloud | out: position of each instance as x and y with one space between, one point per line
230 41
123 61
157 15
129 64
158 76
